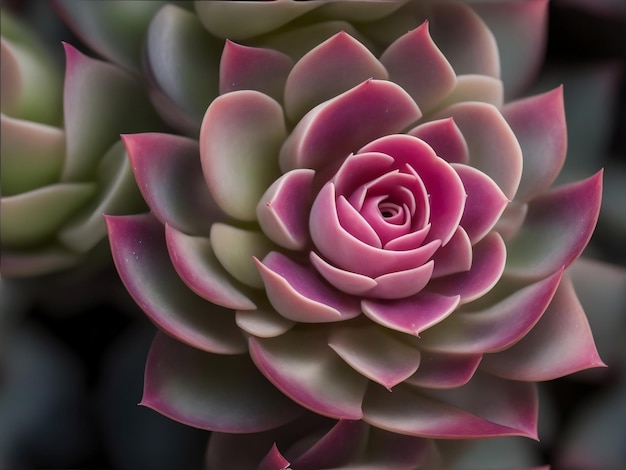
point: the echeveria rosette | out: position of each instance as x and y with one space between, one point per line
382 247
63 163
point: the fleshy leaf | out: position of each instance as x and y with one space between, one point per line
484 204
411 315
346 281
211 391
600 286
32 155
139 251
444 370
406 411
377 355
359 169
34 217
263 322
496 327
235 248
169 176
445 138
301 365
254 68
198 267
509 403
30 81
314 78
100 101
455 257
240 137
336 128
539 124
488 261
298 293
557 228
416 64
400 284
192 83
283 210
560 343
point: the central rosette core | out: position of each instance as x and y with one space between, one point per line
393 205
377 224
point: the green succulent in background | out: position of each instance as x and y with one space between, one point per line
63 164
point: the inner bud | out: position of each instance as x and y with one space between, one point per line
388 210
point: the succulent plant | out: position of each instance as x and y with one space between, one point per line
362 254
63 163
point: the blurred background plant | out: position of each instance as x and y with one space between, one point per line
69 384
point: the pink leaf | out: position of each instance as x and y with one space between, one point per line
314 78
416 64
445 138
283 211
557 228
298 293
488 258
336 448
560 344
338 127
212 391
140 255
274 460
169 176
455 257
253 68
413 314
539 124
444 370
484 204
496 327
